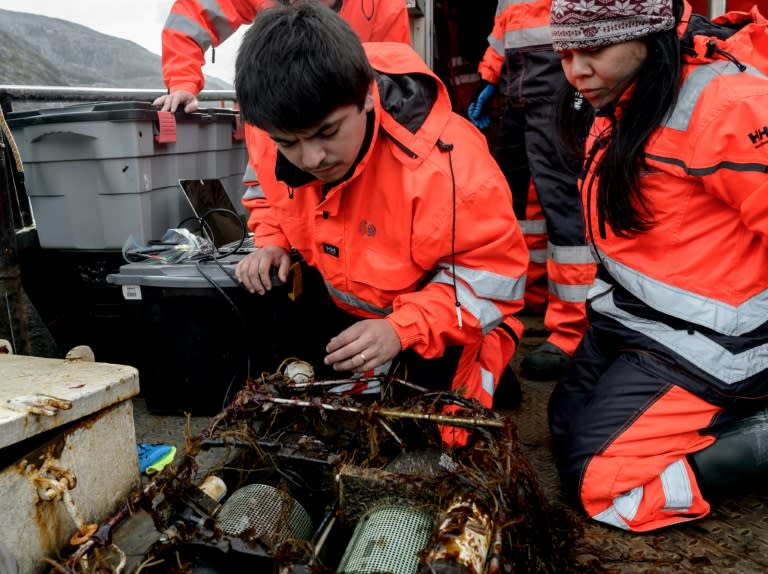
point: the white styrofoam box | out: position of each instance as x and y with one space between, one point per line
62 422
96 173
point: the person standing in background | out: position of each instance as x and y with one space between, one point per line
520 64
193 26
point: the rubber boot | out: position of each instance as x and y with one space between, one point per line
739 456
544 363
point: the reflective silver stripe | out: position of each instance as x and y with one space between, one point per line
482 282
485 284
503 4
570 255
486 312
486 287
701 351
486 378
598 288
537 255
353 301
678 494
189 28
569 293
524 37
533 226
497 45
628 503
624 508
688 306
217 17
250 175
195 31
693 87
254 192
609 516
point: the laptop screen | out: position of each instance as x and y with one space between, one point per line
204 195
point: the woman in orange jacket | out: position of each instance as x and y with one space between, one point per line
391 196
661 405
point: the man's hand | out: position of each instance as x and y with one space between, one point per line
363 346
170 102
253 270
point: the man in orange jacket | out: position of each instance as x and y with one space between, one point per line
520 63
391 196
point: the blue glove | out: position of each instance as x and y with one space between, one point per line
477 112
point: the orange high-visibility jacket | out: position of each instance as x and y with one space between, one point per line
517 24
194 26
382 239
699 276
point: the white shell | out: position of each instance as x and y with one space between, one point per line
299 372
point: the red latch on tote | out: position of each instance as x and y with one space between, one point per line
238 134
167 127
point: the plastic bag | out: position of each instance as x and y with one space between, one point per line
177 245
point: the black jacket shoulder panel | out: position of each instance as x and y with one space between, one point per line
408 98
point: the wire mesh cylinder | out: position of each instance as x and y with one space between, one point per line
387 539
264 512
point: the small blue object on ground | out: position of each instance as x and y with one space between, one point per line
150 454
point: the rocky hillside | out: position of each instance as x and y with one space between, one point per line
38 50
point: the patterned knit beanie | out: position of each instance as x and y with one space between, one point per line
578 24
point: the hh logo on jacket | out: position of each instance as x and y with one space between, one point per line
364 228
331 249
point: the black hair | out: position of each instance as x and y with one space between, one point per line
297 64
620 201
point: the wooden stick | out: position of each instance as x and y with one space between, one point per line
393 414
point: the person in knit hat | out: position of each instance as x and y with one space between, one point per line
663 406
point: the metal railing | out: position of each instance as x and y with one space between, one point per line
59 93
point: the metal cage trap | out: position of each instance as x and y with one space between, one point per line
314 479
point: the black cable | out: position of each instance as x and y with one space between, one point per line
238 313
205 230
223 293
449 148
365 14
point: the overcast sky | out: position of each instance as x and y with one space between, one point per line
137 20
